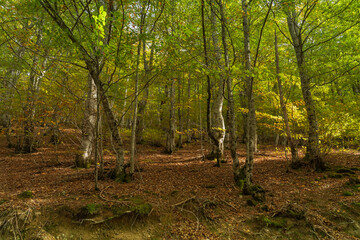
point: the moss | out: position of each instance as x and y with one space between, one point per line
355 168
26 194
345 170
123 178
348 193
353 181
264 208
240 183
92 208
357 204
280 223
251 202
142 209
335 175
2 202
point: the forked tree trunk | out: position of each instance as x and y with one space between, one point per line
313 152
83 158
294 155
117 143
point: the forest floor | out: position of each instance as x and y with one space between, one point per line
178 196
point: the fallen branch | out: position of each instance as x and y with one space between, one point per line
183 202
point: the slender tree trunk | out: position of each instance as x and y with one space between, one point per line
251 123
36 75
231 107
188 120
218 123
313 152
143 102
294 155
83 159
9 85
170 143
180 142
133 130
122 119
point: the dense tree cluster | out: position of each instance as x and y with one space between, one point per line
168 72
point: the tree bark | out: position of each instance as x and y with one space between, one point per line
218 123
294 155
32 97
313 152
117 143
143 102
181 128
83 159
170 143
231 107
251 117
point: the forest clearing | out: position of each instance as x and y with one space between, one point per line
179 119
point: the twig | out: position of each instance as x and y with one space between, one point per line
183 202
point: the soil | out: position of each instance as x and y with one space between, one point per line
189 198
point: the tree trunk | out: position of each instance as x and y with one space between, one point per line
170 143
117 144
31 101
294 155
218 123
133 129
9 84
180 140
83 159
251 117
142 103
188 120
231 108
313 152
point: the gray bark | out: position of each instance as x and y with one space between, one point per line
251 117
36 75
133 129
313 152
231 108
180 140
294 155
170 143
117 143
83 159
148 65
218 123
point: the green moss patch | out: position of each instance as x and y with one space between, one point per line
275 223
346 193
26 194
